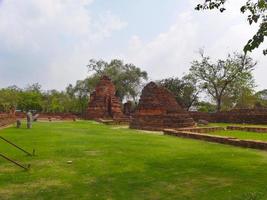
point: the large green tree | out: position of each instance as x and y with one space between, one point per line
127 78
224 77
9 98
257 13
184 90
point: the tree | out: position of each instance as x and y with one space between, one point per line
257 14
261 99
204 106
9 98
127 77
223 78
184 90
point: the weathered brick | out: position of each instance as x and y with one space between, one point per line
158 109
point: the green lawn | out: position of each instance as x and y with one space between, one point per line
242 134
117 163
239 134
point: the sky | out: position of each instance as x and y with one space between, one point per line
52 41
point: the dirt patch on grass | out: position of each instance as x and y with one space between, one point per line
93 153
120 127
11 190
7 169
151 132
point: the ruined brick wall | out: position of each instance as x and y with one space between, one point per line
158 109
58 116
103 102
210 117
248 116
6 119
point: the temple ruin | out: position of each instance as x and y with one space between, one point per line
104 104
158 109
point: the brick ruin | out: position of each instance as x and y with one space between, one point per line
104 104
7 118
239 116
158 109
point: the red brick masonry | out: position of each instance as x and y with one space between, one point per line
158 109
51 116
104 104
238 116
202 129
218 139
6 119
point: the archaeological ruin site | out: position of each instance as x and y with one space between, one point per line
104 104
133 100
158 109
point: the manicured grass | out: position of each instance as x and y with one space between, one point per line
118 163
239 134
242 134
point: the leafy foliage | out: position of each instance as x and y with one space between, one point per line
127 77
257 14
184 90
223 78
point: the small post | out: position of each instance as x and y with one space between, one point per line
18 123
29 120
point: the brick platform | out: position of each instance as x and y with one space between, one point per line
202 129
218 139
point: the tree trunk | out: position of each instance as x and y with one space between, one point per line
219 105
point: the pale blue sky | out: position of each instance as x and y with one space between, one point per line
51 41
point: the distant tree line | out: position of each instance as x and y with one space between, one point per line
217 86
127 78
209 86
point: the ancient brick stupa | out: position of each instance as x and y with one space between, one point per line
158 109
103 102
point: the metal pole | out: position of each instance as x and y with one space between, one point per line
17 146
14 162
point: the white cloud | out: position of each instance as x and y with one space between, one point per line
170 53
53 38
51 41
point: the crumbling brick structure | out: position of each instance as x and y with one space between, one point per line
158 109
103 102
7 118
247 116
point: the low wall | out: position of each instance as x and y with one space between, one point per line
6 119
218 139
202 129
247 116
52 116
248 129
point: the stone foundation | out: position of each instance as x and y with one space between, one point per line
238 116
202 129
218 139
